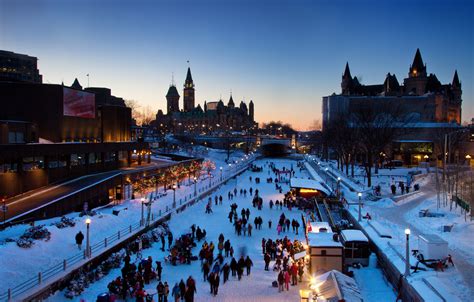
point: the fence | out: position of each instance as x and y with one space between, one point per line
102 246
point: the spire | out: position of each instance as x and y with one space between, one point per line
189 78
231 103
347 71
76 85
456 82
417 68
418 61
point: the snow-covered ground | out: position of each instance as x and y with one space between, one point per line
257 286
384 178
455 283
20 264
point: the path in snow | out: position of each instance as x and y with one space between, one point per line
257 286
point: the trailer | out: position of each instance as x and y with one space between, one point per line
432 247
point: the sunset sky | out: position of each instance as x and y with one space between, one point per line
283 55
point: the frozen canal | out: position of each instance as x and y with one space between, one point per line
257 286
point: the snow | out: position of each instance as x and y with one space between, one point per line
322 240
317 225
353 235
18 264
458 281
257 286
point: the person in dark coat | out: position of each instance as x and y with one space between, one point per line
159 269
240 267
226 269
162 242
233 266
182 289
267 259
170 240
205 270
227 247
79 239
248 264
190 290
216 281
160 288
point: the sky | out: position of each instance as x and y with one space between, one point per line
283 55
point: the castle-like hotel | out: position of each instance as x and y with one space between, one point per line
215 116
422 96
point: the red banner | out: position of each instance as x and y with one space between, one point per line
78 103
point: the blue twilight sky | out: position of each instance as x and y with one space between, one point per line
284 55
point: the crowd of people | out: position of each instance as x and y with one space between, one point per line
218 260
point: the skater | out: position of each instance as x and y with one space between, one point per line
166 292
267 259
160 289
226 269
233 266
248 264
176 293
170 240
79 239
281 281
159 269
287 280
270 224
190 290
240 267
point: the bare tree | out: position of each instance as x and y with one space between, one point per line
135 106
377 126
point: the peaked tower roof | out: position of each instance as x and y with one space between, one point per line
76 84
347 71
172 91
418 61
189 78
456 82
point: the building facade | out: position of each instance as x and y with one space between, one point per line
425 107
19 68
213 116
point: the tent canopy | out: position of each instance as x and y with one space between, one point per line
302 183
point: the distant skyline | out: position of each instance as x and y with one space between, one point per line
283 55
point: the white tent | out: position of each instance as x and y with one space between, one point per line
334 286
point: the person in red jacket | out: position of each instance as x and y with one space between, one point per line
287 280
294 274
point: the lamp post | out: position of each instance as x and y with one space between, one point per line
174 196
327 174
143 204
407 256
360 205
195 184
221 172
88 252
338 186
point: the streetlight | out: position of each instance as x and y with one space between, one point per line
407 256
143 204
338 186
221 172
360 204
174 196
327 174
195 183
88 252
